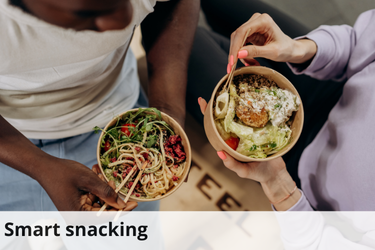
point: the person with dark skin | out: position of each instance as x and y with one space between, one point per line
168 36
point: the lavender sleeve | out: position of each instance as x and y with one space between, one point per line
335 47
301 205
335 44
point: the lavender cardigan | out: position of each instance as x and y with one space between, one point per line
337 170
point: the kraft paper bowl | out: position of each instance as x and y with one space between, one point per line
178 131
213 135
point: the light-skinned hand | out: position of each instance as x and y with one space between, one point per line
268 41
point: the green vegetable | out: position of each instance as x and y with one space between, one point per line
272 92
115 133
242 131
96 129
264 141
231 109
148 127
220 129
144 124
151 140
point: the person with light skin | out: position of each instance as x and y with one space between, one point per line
66 68
335 160
271 43
330 52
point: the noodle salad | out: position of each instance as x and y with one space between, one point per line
140 136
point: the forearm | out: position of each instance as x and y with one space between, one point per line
18 152
335 45
304 51
168 36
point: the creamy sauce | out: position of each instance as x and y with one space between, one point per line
279 103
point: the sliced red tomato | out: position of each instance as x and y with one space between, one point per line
125 129
233 142
107 146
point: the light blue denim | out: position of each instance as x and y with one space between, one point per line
19 192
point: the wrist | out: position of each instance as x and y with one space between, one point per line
281 191
303 51
44 168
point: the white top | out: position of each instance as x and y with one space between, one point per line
57 82
302 228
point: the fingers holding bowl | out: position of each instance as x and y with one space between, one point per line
91 200
202 104
243 170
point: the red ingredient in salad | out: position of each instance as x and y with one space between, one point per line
125 129
174 148
233 142
145 155
107 146
115 173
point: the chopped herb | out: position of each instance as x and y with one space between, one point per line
148 127
254 147
138 137
272 92
257 90
96 129
151 140
273 145
277 106
145 123
114 133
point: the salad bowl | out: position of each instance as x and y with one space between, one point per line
283 83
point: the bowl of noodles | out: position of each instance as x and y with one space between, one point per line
258 117
139 135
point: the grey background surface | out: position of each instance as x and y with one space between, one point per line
313 13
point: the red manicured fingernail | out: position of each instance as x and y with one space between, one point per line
242 53
231 60
199 100
221 155
228 68
246 64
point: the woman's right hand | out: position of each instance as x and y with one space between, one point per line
268 41
70 185
74 187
